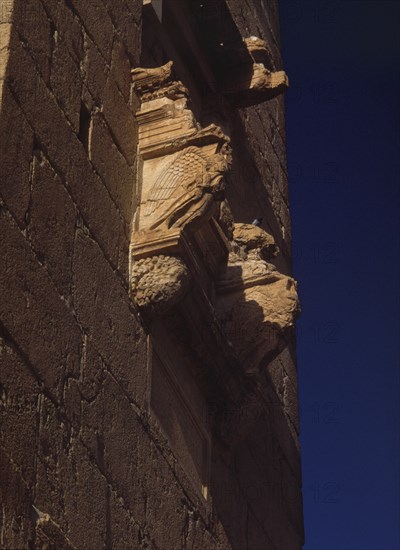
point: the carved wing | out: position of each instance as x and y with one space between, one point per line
181 173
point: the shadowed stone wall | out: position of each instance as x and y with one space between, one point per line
84 461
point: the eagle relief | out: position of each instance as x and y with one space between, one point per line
182 186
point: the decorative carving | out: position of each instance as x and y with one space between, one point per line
183 183
185 189
259 51
255 242
256 304
258 83
159 282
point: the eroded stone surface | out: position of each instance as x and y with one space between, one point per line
90 457
183 181
253 294
258 83
159 283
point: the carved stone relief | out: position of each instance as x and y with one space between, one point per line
184 235
256 304
159 282
257 83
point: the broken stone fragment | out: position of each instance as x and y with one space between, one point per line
251 237
257 82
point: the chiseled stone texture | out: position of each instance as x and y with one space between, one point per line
83 462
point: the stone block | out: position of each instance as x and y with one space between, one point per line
286 438
175 411
66 83
275 375
18 403
283 215
45 330
70 491
93 201
106 314
121 121
34 29
260 485
198 537
291 501
287 359
113 434
114 107
228 503
37 103
165 522
258 536
110 164
52 444
52 218
97 23
125 533
68 26
86 499
92 371
126 17
66 154
290 402
16 142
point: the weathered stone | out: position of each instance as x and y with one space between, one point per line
67 91
114 197
68 28
16 142
255 82
127 19
254 294
111 165
18 403
159 283
183 174
251 237
104 310
121 68
52 218
97 24
65 152
16 500
121 121
114 435
34 28
6 29
45 330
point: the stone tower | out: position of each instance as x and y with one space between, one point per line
148 393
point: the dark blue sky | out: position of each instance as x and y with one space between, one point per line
343 59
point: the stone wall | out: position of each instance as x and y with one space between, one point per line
84 460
